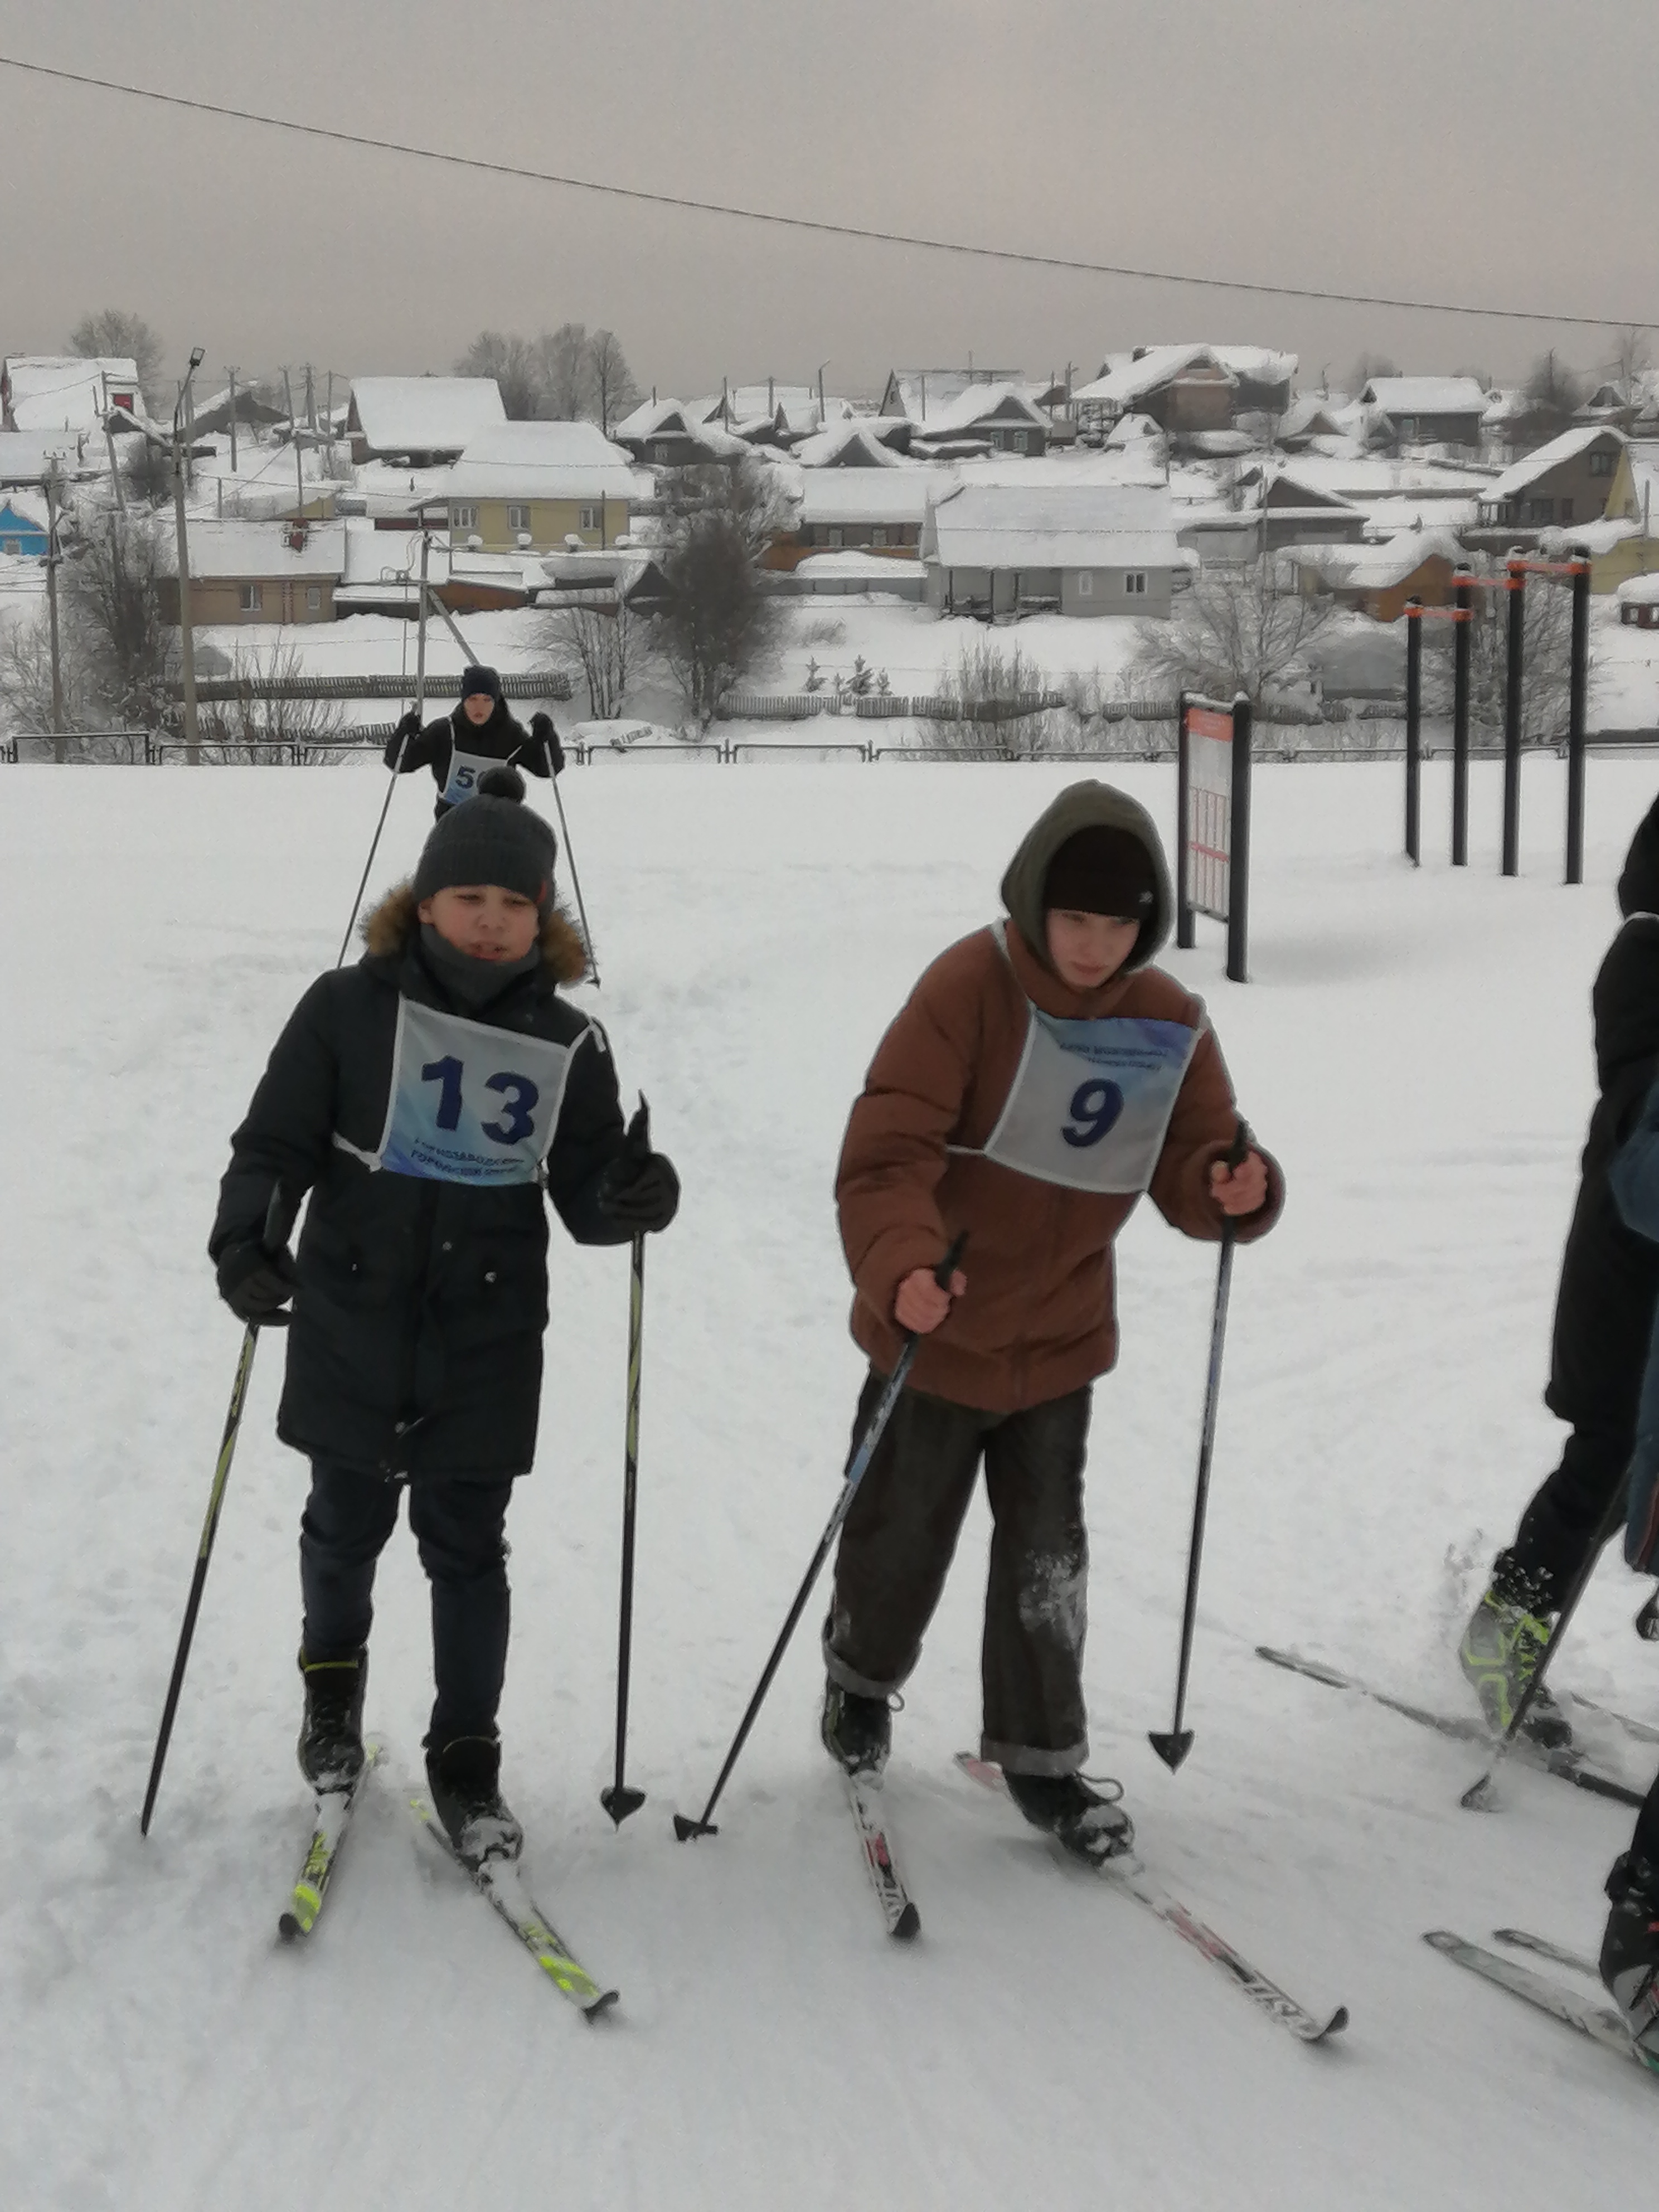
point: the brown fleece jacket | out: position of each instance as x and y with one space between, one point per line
1038 1318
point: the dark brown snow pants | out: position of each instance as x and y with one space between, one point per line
896 1546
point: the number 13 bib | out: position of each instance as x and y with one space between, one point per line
1091 1102
470 1103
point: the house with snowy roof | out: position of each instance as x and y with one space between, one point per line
29 457
911 391
982 418
876 510
1378 580
1563 483
534 486
1185 389
420 421
23 528
676 433
67 391
255 572
1430 410
1076 548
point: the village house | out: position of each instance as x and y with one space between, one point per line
67 392
256 572
910 392
420 421
1431 410
1563 483
1187 390
27 458
983 418
1082 550
23 528
675 434
533 486
874 510
1379 580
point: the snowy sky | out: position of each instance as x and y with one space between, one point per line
1486 152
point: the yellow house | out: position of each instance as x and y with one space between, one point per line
531 487
1633 497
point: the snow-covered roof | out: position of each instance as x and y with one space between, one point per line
1132 430
1638 591
845 445
67 391
259 549
25 456
799 404
984 525
895 495
1566 447
544 460
1377 567
25 510
1426 395
425 414
1128 379
1385 517
976 403
656 418
915 391
1370 476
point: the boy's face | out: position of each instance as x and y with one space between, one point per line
1087 950
479 708
484 920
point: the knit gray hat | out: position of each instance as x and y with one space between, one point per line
492 838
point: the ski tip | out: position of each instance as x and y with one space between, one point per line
1334 2024
685 1829
1479 1797
1173 1747
908 1926
602 2003
619 1802
289 1929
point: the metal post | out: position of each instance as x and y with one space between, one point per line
1578 687
1185 937
59 748
420 635
1515 570
186 642
1238 843
1413 731
1464 600
231 373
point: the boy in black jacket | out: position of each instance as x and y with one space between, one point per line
425 1098
464 745
1603 1317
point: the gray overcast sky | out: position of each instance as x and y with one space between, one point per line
1488 150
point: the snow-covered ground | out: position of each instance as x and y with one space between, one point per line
1415 1048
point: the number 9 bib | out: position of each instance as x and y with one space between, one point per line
469 1103
1091 1102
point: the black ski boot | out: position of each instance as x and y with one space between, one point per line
857 1731
332 1734
1079 1819
1629 1952
464 1777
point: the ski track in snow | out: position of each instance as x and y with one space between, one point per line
1416 1049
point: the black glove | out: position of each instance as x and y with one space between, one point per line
401 739
256 1284
640 1190
542 729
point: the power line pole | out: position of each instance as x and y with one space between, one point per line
186 640
59 747
231 373
299 462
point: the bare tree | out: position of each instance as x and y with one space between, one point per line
26 677
513 362
751 494
1368 366
148 469
718 622
262 724
114 334
111 603
611 645
1633 360
1552 396
1233 631
1547 664
995 706
615 392
567 377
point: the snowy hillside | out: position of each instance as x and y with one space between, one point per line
1415 1048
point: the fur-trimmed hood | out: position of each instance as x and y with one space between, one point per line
393 927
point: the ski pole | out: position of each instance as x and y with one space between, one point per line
619 1801
403 746
1481 1796
272 1238
943 1273
1173 1747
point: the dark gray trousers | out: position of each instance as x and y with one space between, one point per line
900 1536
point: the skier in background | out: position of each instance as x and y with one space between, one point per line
1043 1075
425 1097
1603 1317
478 733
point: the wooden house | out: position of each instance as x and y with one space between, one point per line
1092 549
420 421
245 572
534 486
23 529
1431 410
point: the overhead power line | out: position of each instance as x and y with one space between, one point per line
917 241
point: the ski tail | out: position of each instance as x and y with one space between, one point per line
898 1910
330 1819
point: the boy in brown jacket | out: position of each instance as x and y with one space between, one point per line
1041 1077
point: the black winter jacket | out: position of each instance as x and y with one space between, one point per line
1610 1275
502 737
415 1344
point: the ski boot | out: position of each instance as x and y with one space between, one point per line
1629 1952
332 1734
1499 1655
464 1778
857 1731
1080 1820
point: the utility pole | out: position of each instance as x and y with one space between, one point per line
231 373
311 397
299 462
59 748
186 642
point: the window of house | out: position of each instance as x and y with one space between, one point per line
836 537
314 599
659 449
879 534
1566 510
1020 442
1408 426
518 518
1085 583
1134 581
462 518
590 519
253 599
1601 465
1538 510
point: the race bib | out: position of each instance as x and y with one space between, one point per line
465 769
469 1103
1090 1102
